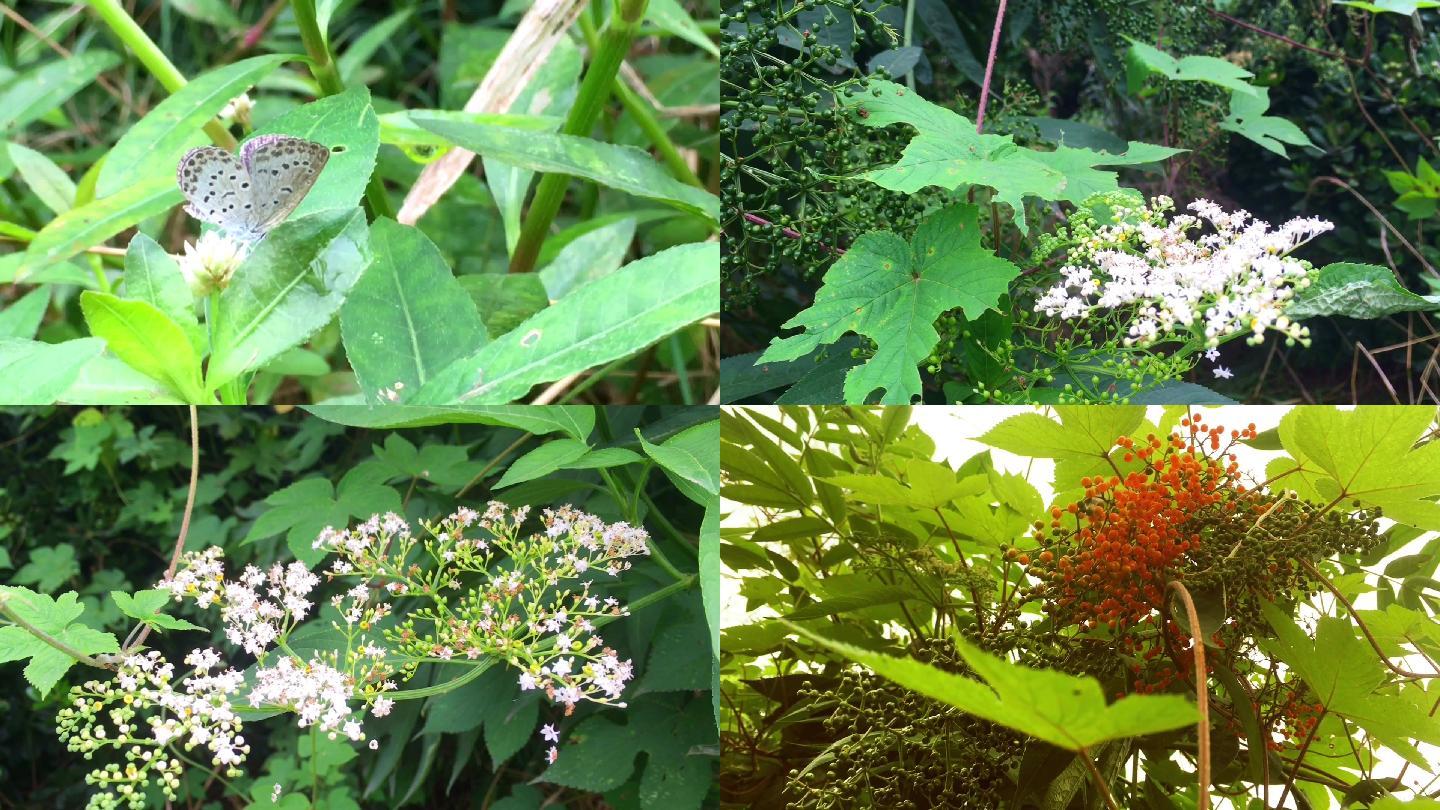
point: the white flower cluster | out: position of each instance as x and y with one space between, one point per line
1235 280
199 714
252 621
209 262
316 691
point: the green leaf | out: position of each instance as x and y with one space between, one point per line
286 290
358 53
892 292
576 421
146 606
153 146
691 457
344 122
624 168
505 300
107 380
947 152
303 509
27 96
390 319
616 317
709 565
153 276
1406 7
542 461
49 567
1063 710
1366 454
602 754
669 15
1080 433
22 318
1247 118
860 598
56 618
1361 291
1144 59
49 182
33 373
591 256
148 341
91 224
214 12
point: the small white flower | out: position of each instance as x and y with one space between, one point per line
208 264
1212 354
549 732
1223 373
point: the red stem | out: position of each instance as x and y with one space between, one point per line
790 232
989 68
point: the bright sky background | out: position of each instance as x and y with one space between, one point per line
954 429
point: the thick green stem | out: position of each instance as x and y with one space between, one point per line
327 75
594 91
153 59
640 112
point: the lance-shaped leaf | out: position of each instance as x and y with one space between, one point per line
1065 710
892 292
948 153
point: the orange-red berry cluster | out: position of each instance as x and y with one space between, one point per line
1107 558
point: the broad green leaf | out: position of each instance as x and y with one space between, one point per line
859 599
710 574
505 300
22 318
591 256
1063 710
542 461
1081 432
407 317
604 753
56 618
286 290
107 380
669 15
33 373
147 340
946 152
398 129
1144 59
1247 117
1361 291
347 124
1366 454
153 276
49 567
91 224
303 509
27 96
357 54
1406 7
624 168
618 316
153 146
576 421
892 292
147 605
691 458
49 182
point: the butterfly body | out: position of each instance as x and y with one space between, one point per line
246 196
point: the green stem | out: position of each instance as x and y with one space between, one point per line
479 669
594 91
153 59
682 374
327 75
44 636
640 112
314 766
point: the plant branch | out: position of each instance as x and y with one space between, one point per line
1330 586
144 629
1202 693
1096 777
989 68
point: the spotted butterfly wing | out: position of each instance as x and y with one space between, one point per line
282 169
249 195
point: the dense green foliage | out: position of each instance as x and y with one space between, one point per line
91 502
1289 109
1109 607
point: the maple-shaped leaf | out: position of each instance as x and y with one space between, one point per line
55 618
892 291
947 152
1247 118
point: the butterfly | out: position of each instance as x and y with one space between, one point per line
248 195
